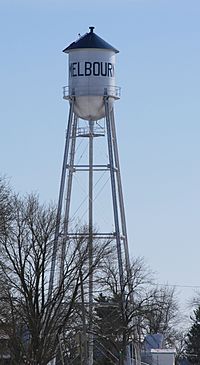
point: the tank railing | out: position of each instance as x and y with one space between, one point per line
114 91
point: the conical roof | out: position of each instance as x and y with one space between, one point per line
90 40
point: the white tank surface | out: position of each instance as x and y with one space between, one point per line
91 75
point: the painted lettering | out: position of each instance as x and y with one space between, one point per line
88 68
79 70
96 68
110 69
91 69
70 69
74 69
104 68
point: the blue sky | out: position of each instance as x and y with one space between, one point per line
157 117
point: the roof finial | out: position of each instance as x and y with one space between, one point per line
91 29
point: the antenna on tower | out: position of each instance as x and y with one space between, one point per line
91 29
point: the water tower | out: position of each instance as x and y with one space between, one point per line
91 93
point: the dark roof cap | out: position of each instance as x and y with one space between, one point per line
90 40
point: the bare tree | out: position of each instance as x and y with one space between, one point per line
5 205
38 325
34 321
161 314
148 309
114 330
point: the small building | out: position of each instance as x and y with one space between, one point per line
154 351
163 356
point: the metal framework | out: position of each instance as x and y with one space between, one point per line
65 193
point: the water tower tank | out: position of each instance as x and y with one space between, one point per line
91 75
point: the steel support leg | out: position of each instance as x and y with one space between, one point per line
90 205
60 200
70 168
124 230
114 192
120 192
116 187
